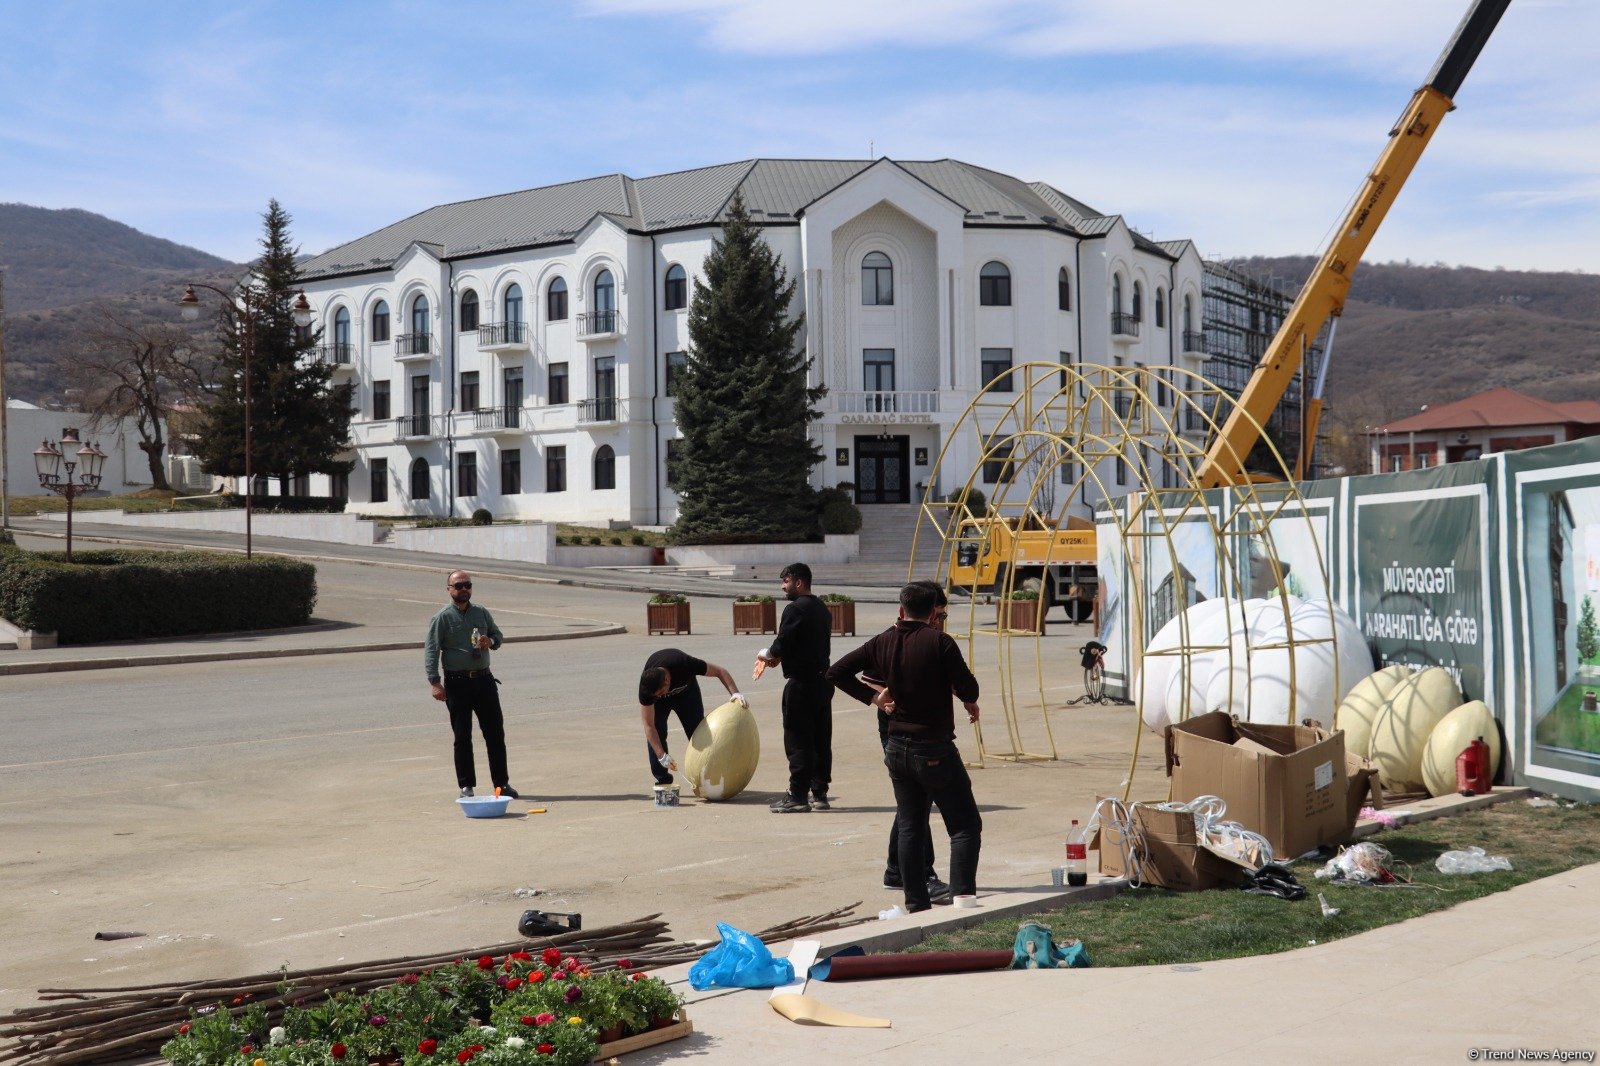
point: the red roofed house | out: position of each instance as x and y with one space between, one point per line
1500 420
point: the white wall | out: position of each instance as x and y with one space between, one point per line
126 469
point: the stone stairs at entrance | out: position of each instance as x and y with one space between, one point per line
886 532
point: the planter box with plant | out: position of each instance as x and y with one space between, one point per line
755 614
1022 612
667 612
842 613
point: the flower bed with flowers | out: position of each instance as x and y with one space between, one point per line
517 1009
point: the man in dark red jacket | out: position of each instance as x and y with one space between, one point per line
921 668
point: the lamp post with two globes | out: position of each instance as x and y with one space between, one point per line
249 304
57 465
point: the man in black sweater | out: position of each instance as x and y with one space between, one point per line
802 646
921 667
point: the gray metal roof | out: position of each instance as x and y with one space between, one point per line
774 190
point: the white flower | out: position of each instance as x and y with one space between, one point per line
277 1035
515 1042
486 1028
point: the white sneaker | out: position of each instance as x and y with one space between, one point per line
466 793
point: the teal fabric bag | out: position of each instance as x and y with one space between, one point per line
1035 949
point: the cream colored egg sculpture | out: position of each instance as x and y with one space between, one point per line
1361 707
1401 730
723 753
1450 737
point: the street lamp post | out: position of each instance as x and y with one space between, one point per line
56 464
250 307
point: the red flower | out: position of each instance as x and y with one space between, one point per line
545 1019
550 956
428 1047
464 1055
337 1051
520 956
513 984
536 976
527 1019
624 964
184 1028
247 1049
569 964
546 1049
486 963
638 977
410 979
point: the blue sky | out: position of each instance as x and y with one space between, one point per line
1245 125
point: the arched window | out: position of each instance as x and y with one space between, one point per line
605 467
1188 314
1063 289
556 301
675 294
419 316
419 479
1161 308
380 321
994 285
605 291
514 304
877 280
469 311
1116 293
1138 301
341 326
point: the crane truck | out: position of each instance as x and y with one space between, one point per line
1060 562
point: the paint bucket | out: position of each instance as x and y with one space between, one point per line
666 795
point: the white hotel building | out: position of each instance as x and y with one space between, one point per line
517 352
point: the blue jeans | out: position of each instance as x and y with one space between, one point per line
924 773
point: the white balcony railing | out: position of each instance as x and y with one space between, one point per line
899 403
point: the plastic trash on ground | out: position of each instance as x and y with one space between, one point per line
740 961
891 914
1365 863
1472 861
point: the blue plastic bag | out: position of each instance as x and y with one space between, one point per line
740 961
1036 949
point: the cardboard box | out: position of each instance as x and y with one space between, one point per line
1172 857
1290 783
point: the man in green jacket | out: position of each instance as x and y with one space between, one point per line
456 660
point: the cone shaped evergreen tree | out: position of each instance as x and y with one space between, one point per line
300 421
743 469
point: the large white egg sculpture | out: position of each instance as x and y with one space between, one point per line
1450 737
1401 730
723 753
1362 705
1286 667
1203 624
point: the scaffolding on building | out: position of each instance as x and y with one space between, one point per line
1240 313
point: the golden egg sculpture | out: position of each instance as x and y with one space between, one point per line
1362 706
1450 737
723 753
1401 731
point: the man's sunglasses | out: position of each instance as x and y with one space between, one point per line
461 585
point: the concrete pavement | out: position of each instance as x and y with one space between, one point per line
1504 972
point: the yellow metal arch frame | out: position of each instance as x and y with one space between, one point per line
1040 419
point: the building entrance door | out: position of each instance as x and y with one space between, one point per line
883 469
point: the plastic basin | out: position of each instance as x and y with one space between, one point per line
484 806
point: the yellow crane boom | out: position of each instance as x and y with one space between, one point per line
1323 295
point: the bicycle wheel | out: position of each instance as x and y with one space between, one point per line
1094 683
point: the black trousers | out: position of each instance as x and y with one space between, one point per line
468 696
691 711
923 774
892 865
808 735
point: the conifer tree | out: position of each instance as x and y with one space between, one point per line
300 421
743 405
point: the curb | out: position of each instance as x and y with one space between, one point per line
179 658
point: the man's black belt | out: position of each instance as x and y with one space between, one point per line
467 673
